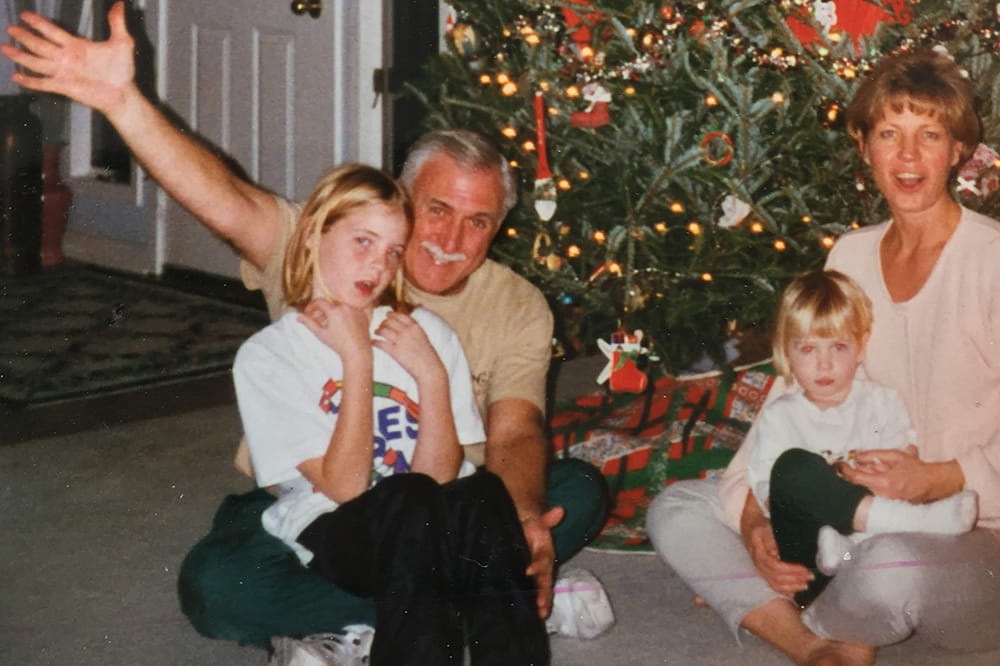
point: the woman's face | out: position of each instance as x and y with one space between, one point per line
911 157
360 253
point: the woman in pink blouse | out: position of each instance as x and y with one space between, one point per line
933 274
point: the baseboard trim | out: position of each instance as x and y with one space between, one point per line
109 252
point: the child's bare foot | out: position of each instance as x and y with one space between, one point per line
840 653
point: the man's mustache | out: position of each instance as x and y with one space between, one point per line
440 256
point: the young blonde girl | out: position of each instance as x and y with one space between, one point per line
823 323
356 409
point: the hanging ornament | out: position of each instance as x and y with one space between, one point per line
648 39
622 371
579 25
718 148
975 177
734 211
545 187
465 39
542 253
596 115
830 114
857 18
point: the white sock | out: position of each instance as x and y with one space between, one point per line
835 548
951 515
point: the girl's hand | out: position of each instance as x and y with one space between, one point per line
758 537
342 328
404 340
900 474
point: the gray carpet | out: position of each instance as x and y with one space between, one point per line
96 523
81 348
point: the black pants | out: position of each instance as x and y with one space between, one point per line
437 560
806 494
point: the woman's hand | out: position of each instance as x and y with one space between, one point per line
405 340
900 474
95 74
342 328
758 537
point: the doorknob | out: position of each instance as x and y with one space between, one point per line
314 7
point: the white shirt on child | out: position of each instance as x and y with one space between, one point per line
287 387
870 417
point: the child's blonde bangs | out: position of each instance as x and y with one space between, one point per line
340 191
825 304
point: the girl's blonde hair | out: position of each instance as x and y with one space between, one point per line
820 303
341 191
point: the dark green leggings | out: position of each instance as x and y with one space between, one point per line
806 494
240 583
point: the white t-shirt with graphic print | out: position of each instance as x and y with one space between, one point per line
288 390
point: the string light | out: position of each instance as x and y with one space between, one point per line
485 79
563 184
780 245
756 227
573 251
694 228
600 236
677 207
509 132
511 232
706 277
661 227
827 242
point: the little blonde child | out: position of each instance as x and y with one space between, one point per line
823 323
356 410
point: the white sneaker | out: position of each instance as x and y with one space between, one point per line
580 607
350 647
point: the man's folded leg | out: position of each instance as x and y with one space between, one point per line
240 583
579 488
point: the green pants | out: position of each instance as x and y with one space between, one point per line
240 583
806 494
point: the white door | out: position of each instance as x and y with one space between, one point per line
286 96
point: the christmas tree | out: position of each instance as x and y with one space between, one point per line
681 161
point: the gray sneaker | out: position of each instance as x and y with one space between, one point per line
350 647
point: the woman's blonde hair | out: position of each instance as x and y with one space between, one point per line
820 303
923 81
342 190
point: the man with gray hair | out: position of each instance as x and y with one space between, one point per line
239 582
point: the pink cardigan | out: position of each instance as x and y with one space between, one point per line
940 350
